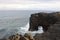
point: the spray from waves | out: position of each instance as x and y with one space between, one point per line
24 30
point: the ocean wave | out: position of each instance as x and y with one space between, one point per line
24 30
6 32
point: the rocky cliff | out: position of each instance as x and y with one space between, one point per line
50 23
26 36
43 19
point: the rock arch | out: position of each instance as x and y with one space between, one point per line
42 19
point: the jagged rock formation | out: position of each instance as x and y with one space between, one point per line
20 37
42 19
49 22
29 36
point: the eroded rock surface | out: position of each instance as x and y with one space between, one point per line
43 19
50 23
26 36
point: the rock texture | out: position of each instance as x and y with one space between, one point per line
42 19
50 23
20 37
38 37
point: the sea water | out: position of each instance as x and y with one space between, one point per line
12 26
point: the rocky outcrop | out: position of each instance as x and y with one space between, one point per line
20 37
53 32
50 23
29 36
43 19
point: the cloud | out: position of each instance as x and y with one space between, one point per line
17 2
44 6
43 0
30 4
25 1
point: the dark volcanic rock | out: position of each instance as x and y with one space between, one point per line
38 37
50 23
53 33
43 19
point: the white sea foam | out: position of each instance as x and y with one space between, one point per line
25 29
40 30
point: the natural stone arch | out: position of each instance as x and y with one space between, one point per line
42 19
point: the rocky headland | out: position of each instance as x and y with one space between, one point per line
50 23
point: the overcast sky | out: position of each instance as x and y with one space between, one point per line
30 4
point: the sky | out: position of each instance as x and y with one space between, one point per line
30 4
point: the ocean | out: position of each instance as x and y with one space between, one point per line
16 21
